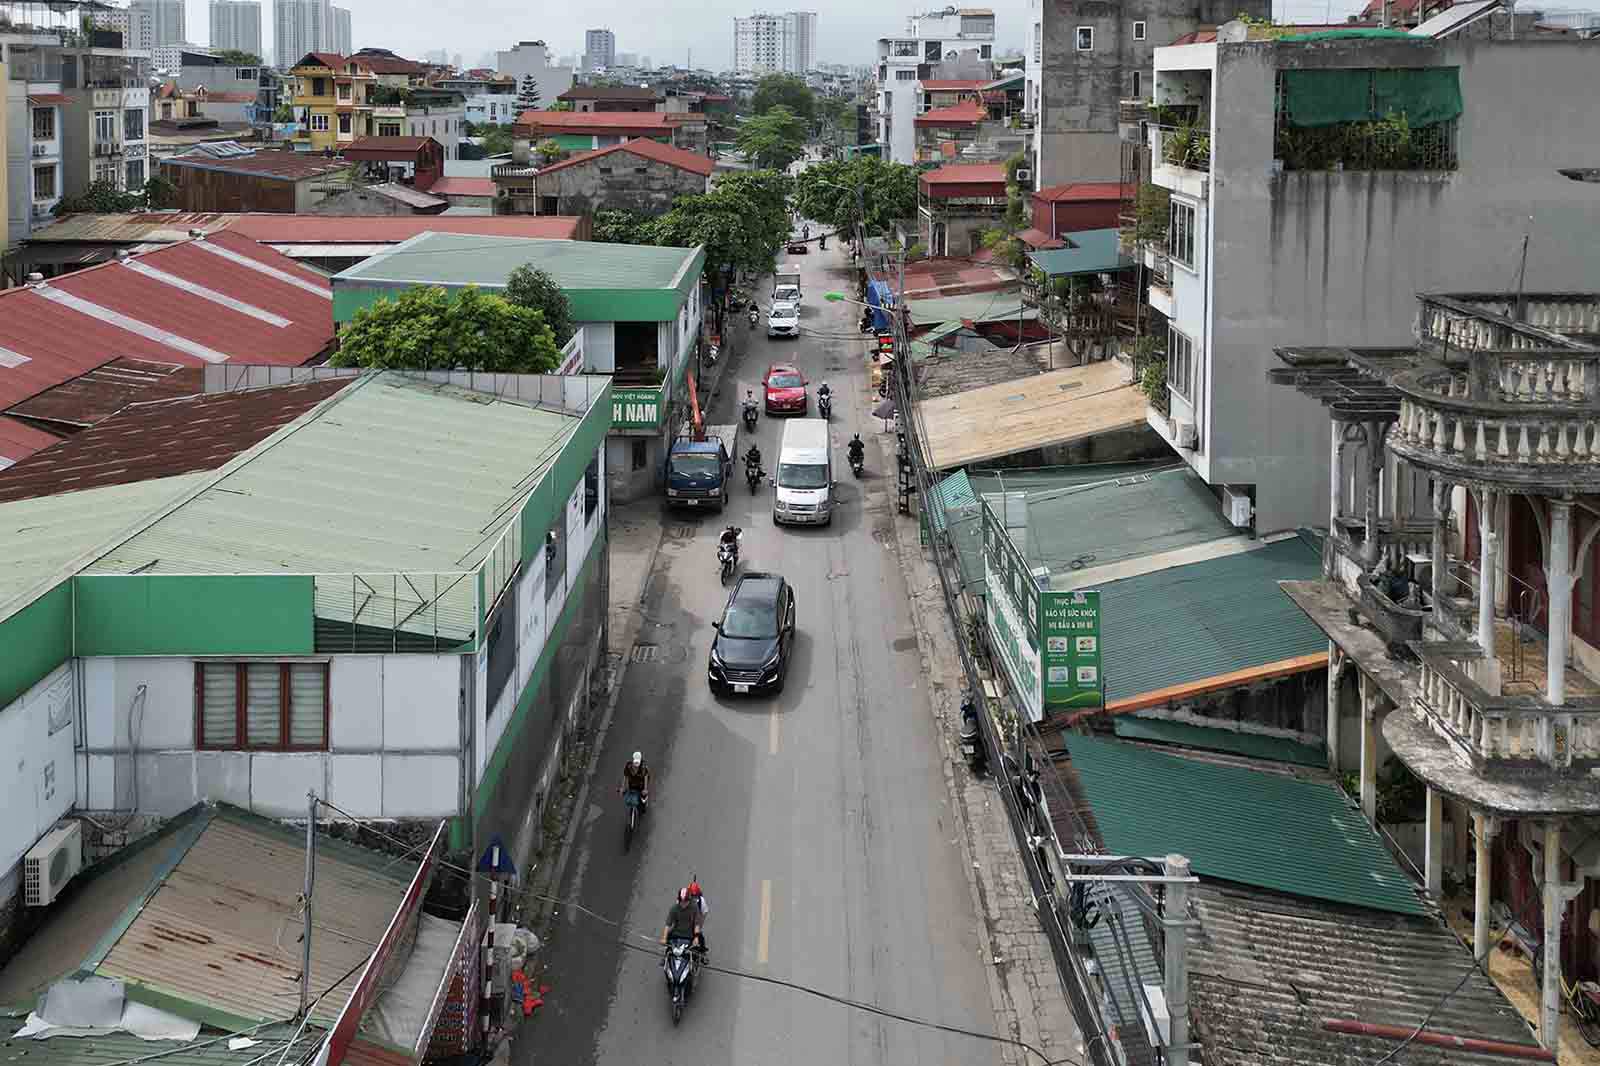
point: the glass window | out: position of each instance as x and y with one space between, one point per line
1138 31
1180 363
133 124
1085 39
105 125
803 475
1136 83
1180 233
44 123
319 123
44 182
135 175
905 75
344 123
262 705
106 172
1038 40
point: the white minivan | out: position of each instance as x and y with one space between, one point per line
804 482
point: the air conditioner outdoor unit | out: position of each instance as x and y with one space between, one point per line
1024 175
1236 505
51 863
1183 434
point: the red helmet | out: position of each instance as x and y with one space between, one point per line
694 888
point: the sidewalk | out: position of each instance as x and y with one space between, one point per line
1029 1002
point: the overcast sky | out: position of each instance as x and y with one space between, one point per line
664 30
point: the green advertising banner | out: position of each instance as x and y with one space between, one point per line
636 408
1011 605
1069 624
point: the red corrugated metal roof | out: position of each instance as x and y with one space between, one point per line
965 174
598 121
386 144
966 113
163 439
379 229
462 187
1080 191
18 440
84 320
1037 238
104 391
945 85
270 163
646 149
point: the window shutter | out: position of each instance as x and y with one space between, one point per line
263 706
219 706
306 691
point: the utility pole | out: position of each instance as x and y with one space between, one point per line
311 876
1521 312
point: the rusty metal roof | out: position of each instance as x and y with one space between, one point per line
163 438
463 187
105 390
155 226
268 228
18 440
224 298
645 148
272 163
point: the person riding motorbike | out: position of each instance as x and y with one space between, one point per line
636 778
856 449
805 232
752 461
683 920
749 404
730 538
755 315
822 242
698 897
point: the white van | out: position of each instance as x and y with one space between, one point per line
804 482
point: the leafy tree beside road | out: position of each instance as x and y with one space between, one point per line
429 329
534 289
773 140
784 90
826 192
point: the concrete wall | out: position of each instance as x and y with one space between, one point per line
37 732
1080 90
644 186
1336 258
443 124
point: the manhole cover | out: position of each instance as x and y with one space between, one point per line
905 644
644 653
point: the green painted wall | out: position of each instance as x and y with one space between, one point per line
172 614
571 142
38 638
588 305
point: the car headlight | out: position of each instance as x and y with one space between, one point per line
772 663
716 660
672 492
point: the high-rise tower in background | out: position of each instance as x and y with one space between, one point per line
236 24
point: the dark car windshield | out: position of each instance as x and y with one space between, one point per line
802 476
786 381
751 619
697 466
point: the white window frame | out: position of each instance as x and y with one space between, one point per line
105 126
44 168
1078 39
49 114
128 166
318 123
1181 239
110 173
1180 362
1139 30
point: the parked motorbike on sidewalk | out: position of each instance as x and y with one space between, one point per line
680 965
972 748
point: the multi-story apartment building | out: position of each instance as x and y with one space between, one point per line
1334 210
300 26
1092 56
599 49
332 100
521 60
137 26
767 44
236 24
32 125
167 20
167 59
343 38
951 44
436 113
106 119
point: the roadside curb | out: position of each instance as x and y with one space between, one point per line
1008 1022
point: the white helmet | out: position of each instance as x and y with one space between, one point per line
638 757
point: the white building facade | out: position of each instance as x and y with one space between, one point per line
33 125
599 50
343 37
236 24
775 44
948 44
533 58
300 26
167 20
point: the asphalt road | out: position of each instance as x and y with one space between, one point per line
817 821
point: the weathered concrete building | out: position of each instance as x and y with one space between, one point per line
1330 226
282 181
642 176
956 203
1093 55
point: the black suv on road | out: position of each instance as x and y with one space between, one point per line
754 637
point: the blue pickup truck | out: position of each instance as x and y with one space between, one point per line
700 472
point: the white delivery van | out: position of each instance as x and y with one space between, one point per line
803 487
786 285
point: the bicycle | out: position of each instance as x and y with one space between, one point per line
1583 1001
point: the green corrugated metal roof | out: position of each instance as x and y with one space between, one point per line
940 332
1189 623
1253 745
1304 838
478 259
1095 251
975 307
41 536
116 1049
1044 479
951 493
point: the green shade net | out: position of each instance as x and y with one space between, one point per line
1329 97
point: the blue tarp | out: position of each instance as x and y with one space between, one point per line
880 296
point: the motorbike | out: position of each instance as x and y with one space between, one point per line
825 404
858 462
755 317
972 737
750 414
866 322
752 475
680 965
727 559
635 804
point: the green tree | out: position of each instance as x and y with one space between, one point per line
836 119
234 57
763 196
428 329
784 90
534 289
284 113
826 191
496 139
773 140
620 227
160 193
528 93
549 151
100 198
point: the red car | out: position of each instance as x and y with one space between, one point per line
786 390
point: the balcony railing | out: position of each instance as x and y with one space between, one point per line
1506 732
1188 147
1460 323
512 171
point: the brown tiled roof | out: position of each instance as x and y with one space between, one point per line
164 438
647 149
609 92
105 390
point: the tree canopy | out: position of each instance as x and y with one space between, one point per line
836 118
741 222
528 92
826 191
620 227
536 290
773 140
429 329
104 198
238 58
784 90
496 139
